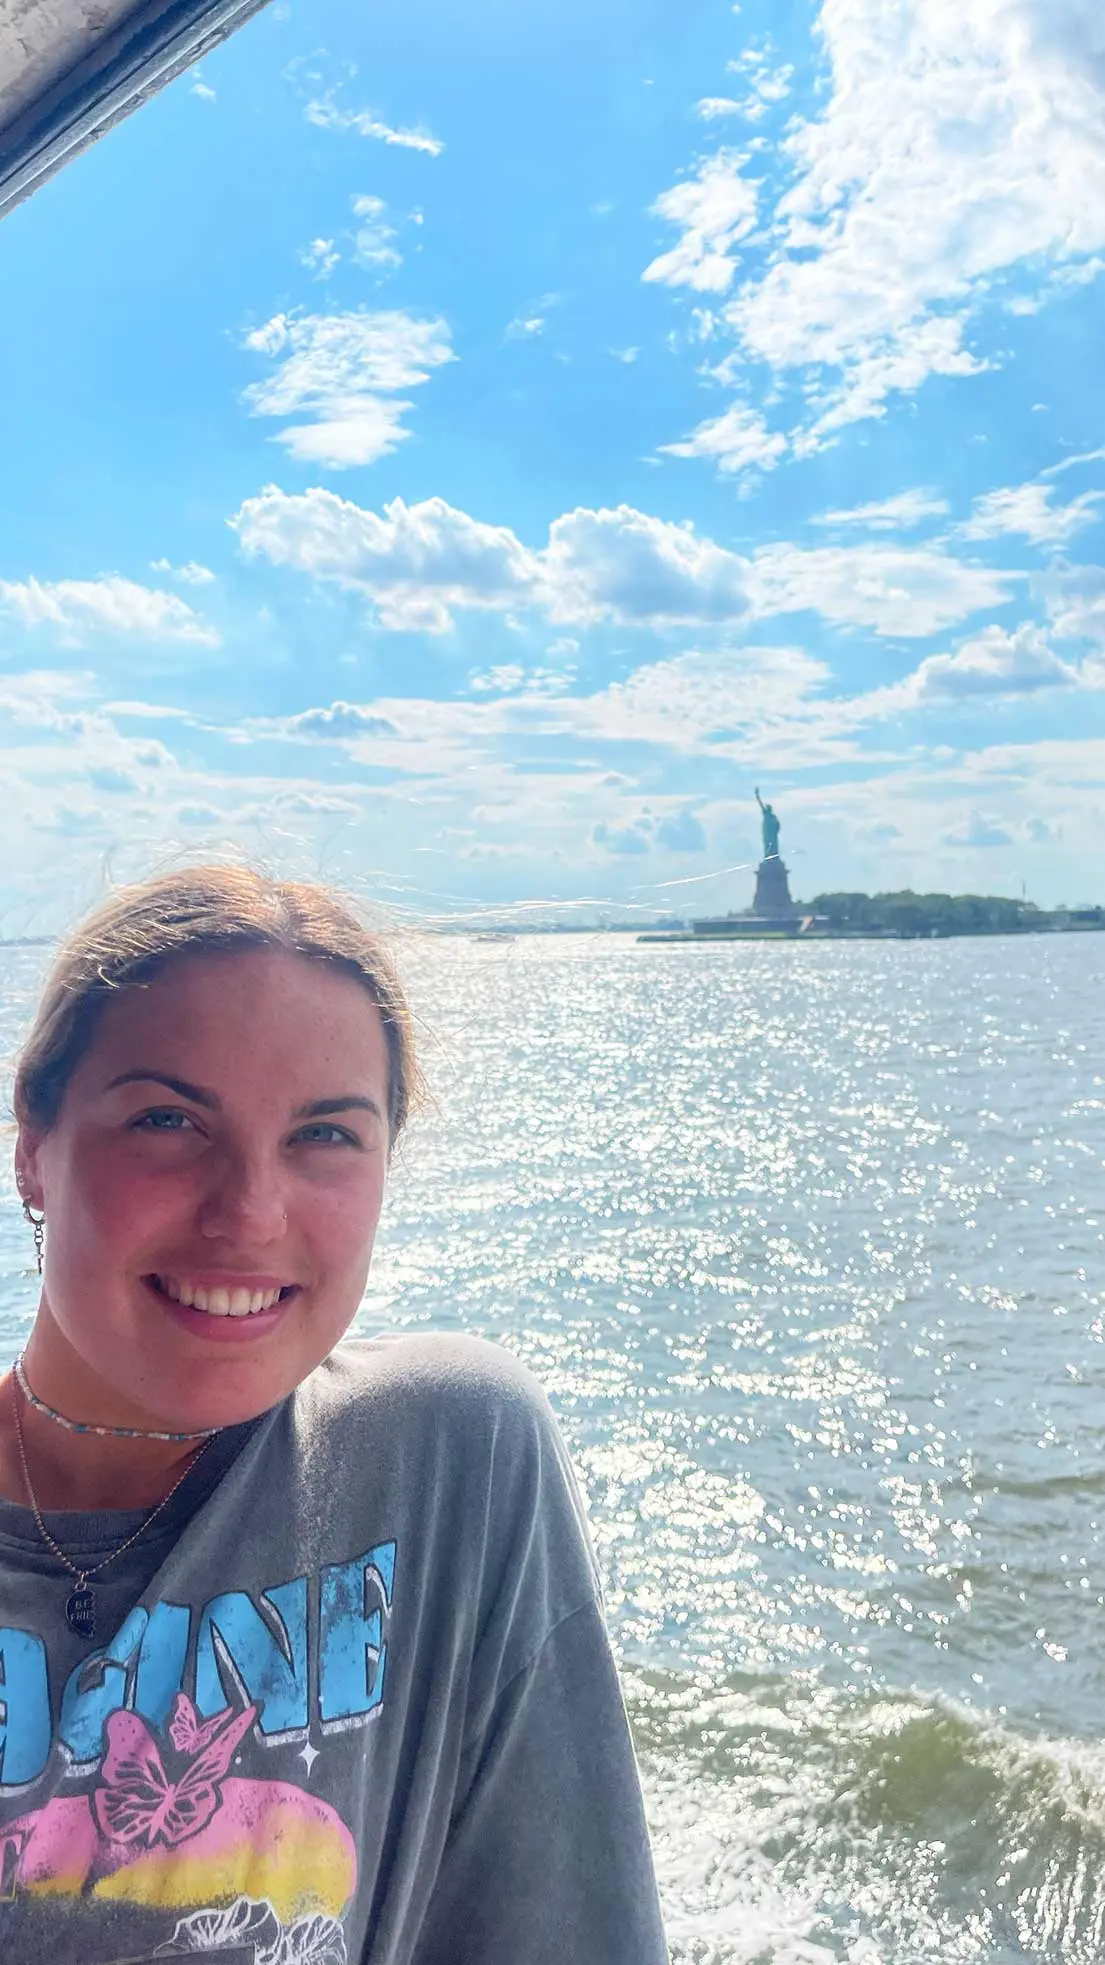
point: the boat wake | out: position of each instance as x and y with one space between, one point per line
798 1825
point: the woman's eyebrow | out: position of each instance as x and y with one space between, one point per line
321 1108
183 1089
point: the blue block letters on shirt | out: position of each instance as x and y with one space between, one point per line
24 1708
270 1664
353 1653
262 1648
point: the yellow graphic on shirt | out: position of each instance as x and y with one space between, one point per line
203 1837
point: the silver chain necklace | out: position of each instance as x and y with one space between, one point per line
80 1607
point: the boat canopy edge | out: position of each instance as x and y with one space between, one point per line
96 77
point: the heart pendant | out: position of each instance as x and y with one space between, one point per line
80 1612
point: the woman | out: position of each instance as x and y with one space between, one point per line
302 1652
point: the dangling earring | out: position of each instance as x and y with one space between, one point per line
38 1222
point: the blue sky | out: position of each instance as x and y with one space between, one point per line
461 453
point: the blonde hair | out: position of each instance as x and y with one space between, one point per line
131 938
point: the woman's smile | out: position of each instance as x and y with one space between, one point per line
223 1309
222 1296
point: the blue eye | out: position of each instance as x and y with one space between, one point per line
166 1119
322 1133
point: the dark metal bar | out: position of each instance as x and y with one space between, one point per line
153 44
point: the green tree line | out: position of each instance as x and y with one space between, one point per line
907 913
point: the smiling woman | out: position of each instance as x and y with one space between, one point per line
293 1553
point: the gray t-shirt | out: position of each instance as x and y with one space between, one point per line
350 1702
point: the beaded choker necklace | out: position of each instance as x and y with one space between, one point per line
101 1432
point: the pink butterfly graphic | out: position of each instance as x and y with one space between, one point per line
187 1731
136 1800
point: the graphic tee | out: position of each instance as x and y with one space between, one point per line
350 1701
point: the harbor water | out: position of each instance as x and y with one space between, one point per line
805 1244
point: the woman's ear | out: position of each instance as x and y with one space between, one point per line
27 1177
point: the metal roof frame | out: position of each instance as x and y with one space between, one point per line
114 72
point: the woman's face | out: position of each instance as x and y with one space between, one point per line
211 1187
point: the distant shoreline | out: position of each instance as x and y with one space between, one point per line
784 933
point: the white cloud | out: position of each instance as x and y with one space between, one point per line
312 804
25 710
626 355
955 145
979 830
374 244
525 327
631 839
711 107
531 320
923 348
715 209
898 514
326 115
737 440
511 679
1071 463
1076 603
681 832
895 590
416 561
1027 510
338 721
769 86
624 565
505 679
320 258
108 605
1080 273
995 662
341 371
204 92
420 562
736 697
112 778
192 574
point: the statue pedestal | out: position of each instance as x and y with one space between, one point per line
772 890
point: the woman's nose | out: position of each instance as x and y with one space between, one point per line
245 1201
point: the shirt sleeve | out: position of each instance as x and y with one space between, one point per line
547 1859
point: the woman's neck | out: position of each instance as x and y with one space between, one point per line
81 1471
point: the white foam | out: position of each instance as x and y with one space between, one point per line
722 1903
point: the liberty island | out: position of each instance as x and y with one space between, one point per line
901 916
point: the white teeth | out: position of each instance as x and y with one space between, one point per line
219 1302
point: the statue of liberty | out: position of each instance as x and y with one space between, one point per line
770 828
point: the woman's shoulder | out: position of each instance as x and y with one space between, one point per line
462 1430
443 1378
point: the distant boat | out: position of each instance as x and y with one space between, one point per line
495 935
